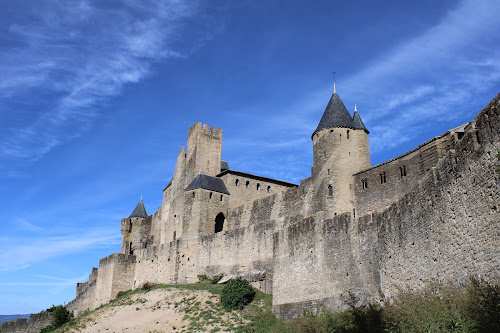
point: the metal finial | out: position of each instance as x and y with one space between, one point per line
334 89
141 197
200 171
355 108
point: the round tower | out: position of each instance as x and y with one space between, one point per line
341 149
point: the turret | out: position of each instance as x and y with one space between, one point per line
340 148
135 229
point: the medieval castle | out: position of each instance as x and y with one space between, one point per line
431 213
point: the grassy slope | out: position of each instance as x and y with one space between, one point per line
438 309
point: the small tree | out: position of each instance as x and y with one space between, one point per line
236 294
60 316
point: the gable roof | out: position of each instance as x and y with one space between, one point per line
335 115
139 211
208 183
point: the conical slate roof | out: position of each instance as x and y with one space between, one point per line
335 115
358 123
208 183
139 211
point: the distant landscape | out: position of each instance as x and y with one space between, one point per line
4 318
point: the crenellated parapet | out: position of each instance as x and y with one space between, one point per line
37 322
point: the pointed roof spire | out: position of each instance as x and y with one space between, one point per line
140 210
358 123
336 114
334 89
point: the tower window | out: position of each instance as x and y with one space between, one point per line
221 197
364 183
328 172
194 194
247 185
269 189
348 134
237 182
331 134
403 171
211 195
258 187
383 179
330 190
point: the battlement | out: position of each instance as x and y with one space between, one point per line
206 130
37 322
117 258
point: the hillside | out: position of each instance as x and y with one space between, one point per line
188 308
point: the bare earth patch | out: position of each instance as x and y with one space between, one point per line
161 310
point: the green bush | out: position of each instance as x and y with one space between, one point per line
148 286
60 316
217 278
236 294
202 278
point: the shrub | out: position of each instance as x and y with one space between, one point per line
202 278
60 316
217 278
148 286
236 294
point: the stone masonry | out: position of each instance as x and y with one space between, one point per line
350 228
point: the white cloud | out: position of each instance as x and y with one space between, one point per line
20 253
22 224
80 54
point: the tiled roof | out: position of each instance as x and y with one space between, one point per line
335 115
208 183
358 123
139 211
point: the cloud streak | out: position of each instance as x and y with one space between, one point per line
431 78
70 57
21 253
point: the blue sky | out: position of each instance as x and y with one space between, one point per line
96 98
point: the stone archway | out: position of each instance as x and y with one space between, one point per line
219 222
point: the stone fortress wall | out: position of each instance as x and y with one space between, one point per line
36 323
311 245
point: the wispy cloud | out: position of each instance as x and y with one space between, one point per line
70 57
429 79
45 280
22 224
20 253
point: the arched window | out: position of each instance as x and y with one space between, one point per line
331 134
269 189
247 185
219 222
330 190
211 195
258 187
221 196
237 182
194 194
347 134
